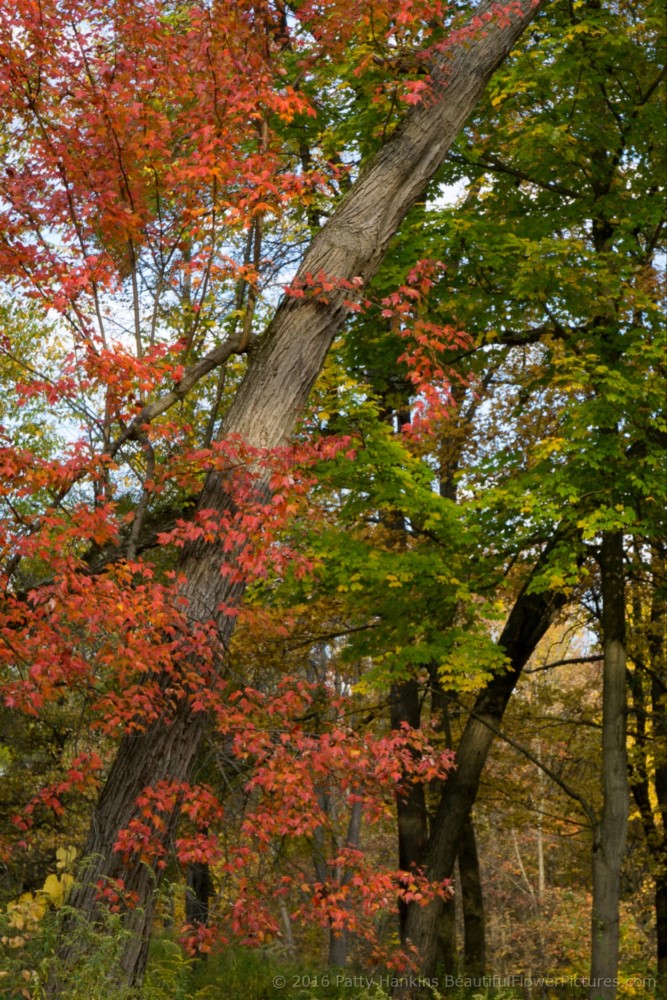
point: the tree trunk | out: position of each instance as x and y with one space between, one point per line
138 765
264 412
647 684
661 894
339 944
469 884
529 620
474 926
611 830
446 959
658 654
412 818
198 885
339 940
661 931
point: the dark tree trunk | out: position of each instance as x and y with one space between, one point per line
658 655
474 926
198 887
647 684
528 622
412 818
446 960
264 412
661 931
611 831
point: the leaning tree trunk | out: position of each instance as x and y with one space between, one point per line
264 411
528 622
610 832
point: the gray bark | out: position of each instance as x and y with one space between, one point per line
339 940
264 412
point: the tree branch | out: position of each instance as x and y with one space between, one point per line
566 662
563 785
490 162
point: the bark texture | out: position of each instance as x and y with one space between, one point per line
139 764
264 411
611 831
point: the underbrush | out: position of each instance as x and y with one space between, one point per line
27 958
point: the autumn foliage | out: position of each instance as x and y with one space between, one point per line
151 155
306 629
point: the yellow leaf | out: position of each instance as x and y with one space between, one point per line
65 856
53 888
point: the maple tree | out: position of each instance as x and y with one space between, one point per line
155 158
166 169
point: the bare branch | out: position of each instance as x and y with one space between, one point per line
567 662
218 356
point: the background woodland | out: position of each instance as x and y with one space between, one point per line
296 639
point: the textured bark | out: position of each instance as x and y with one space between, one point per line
528 622
611 831
264 411
139 764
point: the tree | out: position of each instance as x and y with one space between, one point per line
146 145
646 683
592 323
